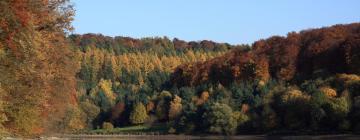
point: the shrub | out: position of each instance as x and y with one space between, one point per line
172 130
329 92
295 96
107 126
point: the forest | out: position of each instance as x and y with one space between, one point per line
53 81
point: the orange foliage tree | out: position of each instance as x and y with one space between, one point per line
36 67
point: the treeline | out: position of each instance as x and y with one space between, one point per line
307 82
158 45
309 54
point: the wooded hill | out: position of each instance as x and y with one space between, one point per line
299 56
53 82
307 82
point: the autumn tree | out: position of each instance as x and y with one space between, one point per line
3 117
74 120
36 64
175 107
203 98
103 95
91 112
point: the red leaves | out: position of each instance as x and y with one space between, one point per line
302 54
21 10
117 110
351 49
11 44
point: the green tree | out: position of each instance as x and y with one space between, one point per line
91 111
240 117
220 119
103 95
337 110
138 114
296 106
162 107
107 70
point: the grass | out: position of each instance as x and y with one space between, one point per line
158 128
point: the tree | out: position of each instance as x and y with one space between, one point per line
269 118
296 107
91 111
175 107
162 107
3 117
220 119
36 64
103 95
107 69
74 120
337 110
203 98
240 118
186 93
138 115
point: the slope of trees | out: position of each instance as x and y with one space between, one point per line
119 75
297 57
307 82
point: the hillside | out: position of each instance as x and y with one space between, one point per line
54 82
307 82
305 55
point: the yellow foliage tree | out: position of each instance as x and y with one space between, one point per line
175 107
75 120
36 64
104 86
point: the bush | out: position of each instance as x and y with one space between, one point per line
240 117
107 126
172 130
329 92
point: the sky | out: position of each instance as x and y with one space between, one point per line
230 21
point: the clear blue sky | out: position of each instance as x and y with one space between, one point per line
232 21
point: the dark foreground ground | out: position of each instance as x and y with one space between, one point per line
186 137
